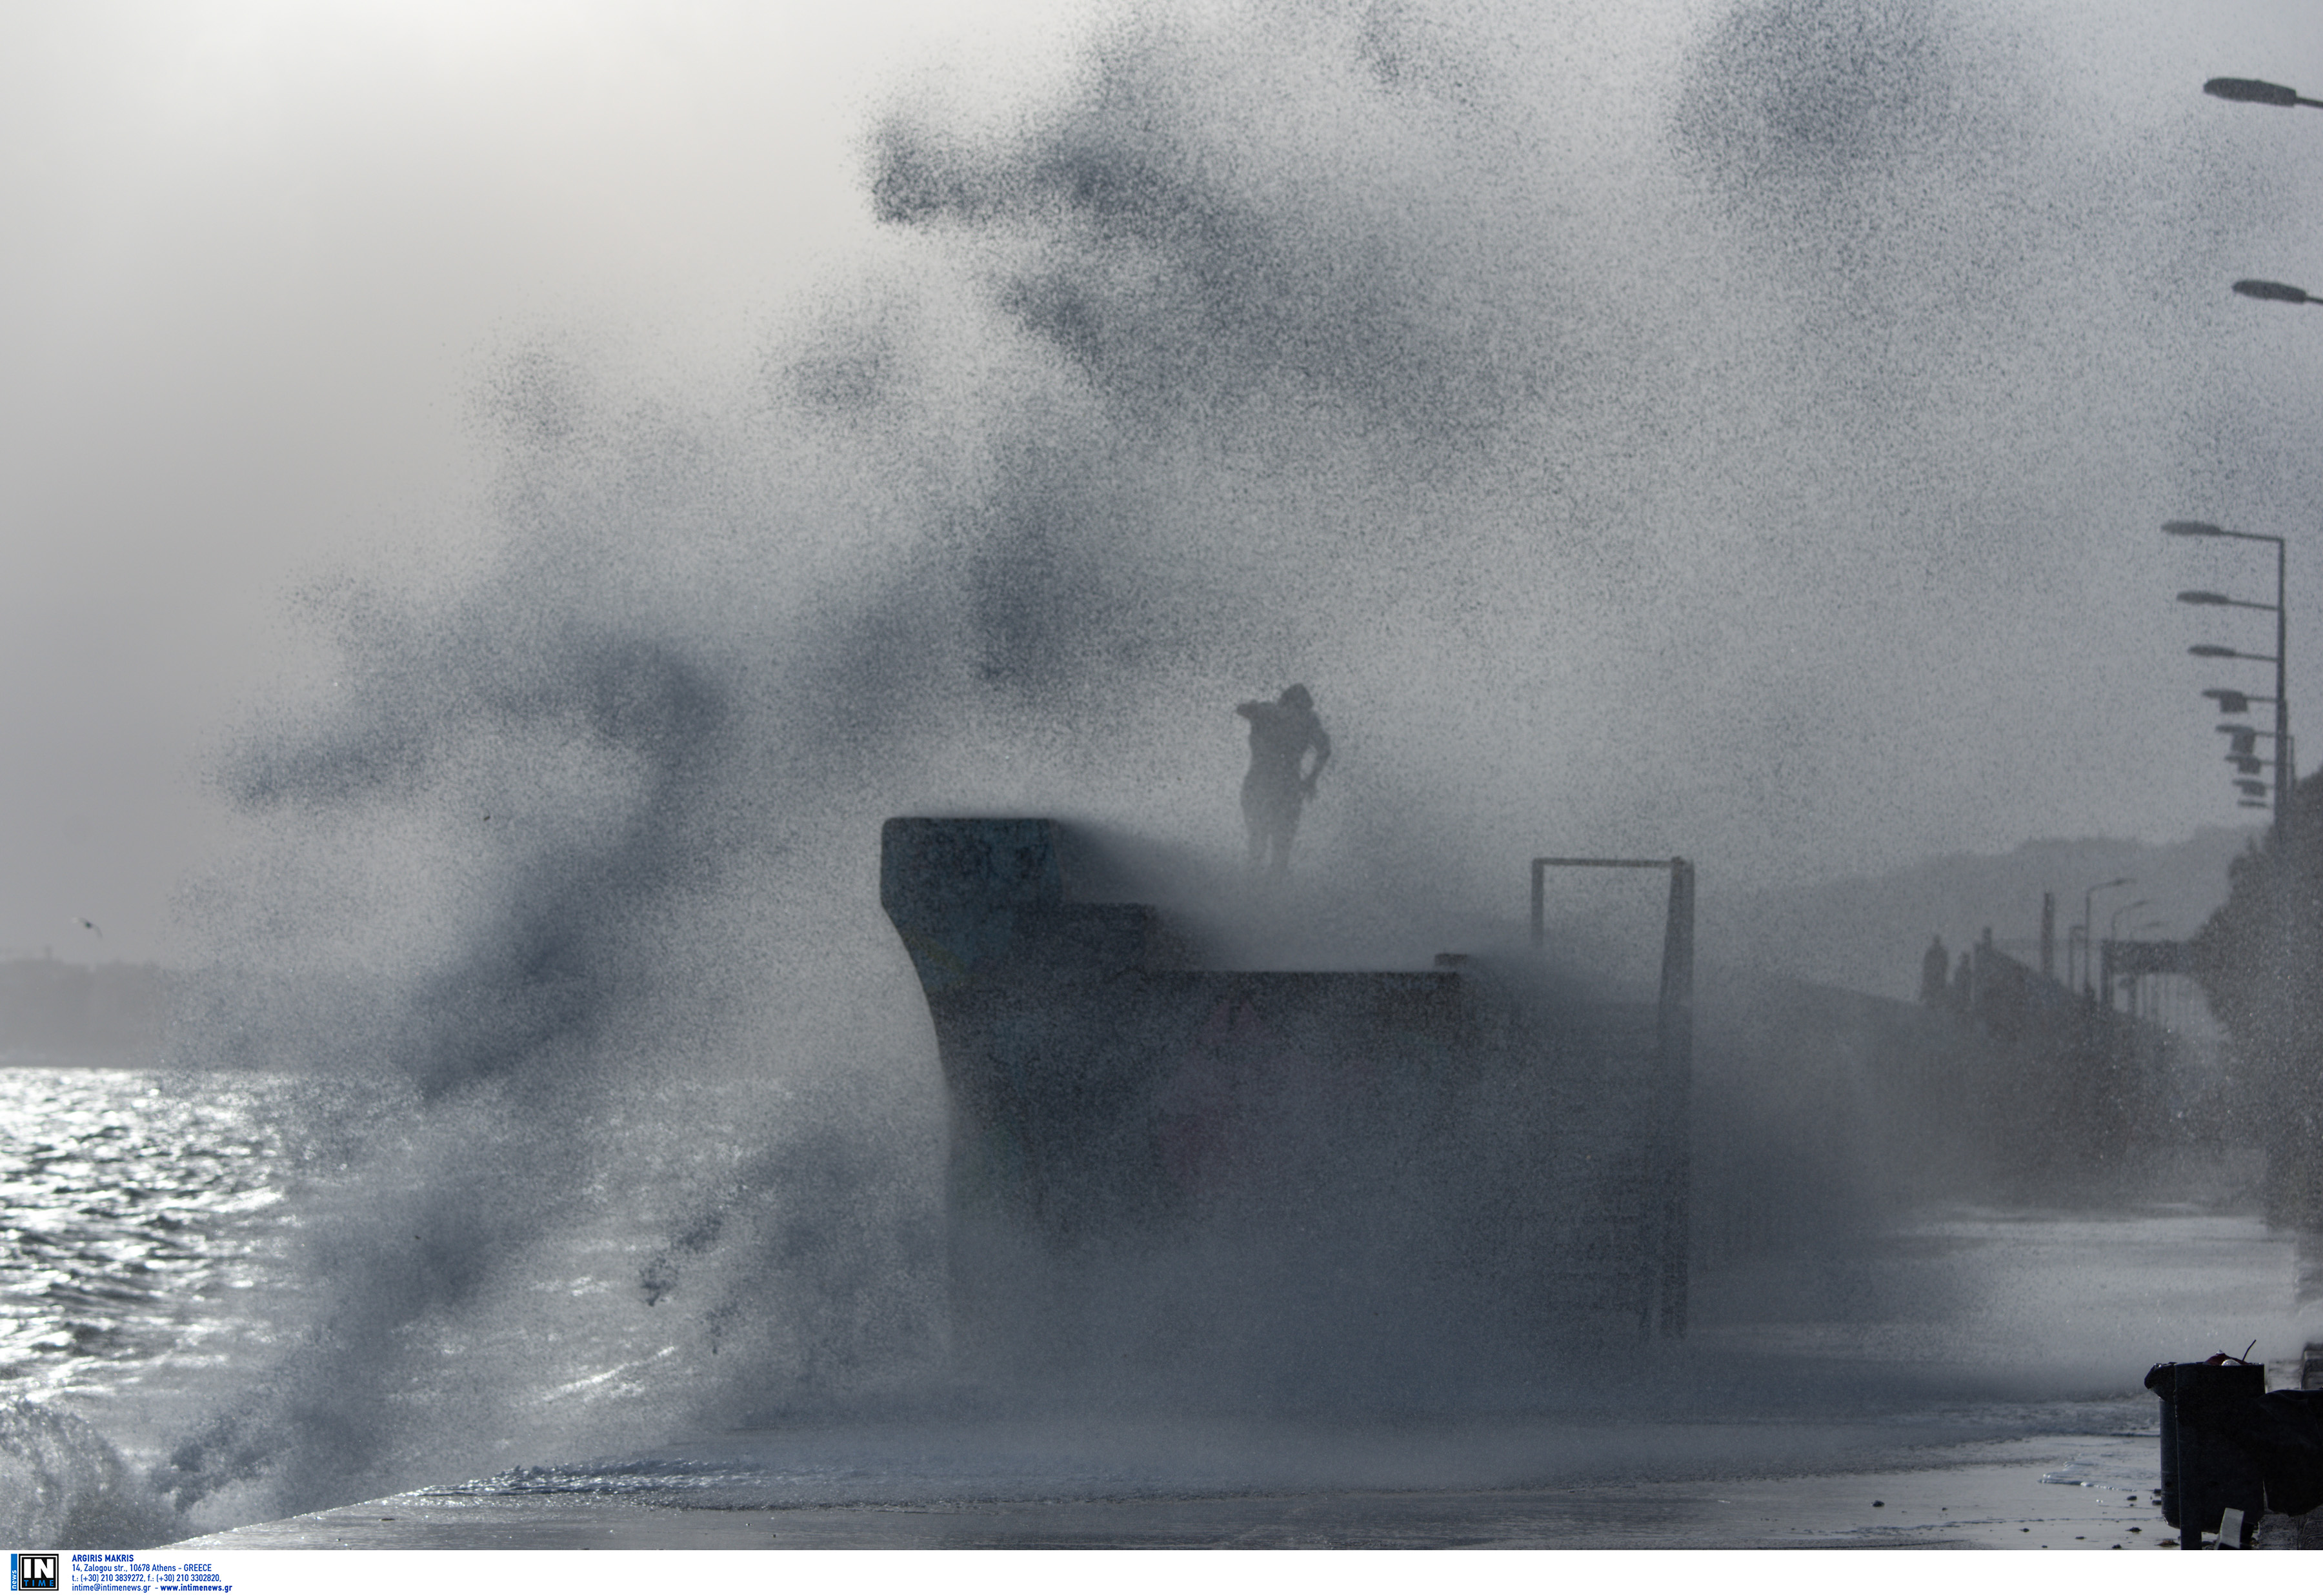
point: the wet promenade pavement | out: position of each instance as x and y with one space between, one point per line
1981 1495
1981 1392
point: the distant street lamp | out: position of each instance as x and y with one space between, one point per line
2258 288
2252 91
2137 981
2237 702
2088 921
2073 949
2242 748
2112 940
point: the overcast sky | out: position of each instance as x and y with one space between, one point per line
1784 402
261 255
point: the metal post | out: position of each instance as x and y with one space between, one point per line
2089 922
1670 1171
2284 775
1675 1039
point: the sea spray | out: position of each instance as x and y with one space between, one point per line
63 1484
564 858
1300 343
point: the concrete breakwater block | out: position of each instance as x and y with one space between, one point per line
1391 1179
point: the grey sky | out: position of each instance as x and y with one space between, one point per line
260 254
1804 515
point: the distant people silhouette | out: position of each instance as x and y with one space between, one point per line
1281 734
1935 969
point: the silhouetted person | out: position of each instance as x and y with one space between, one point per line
1281 734
1935 968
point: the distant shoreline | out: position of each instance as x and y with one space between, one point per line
78 1061
27 1060
142 1063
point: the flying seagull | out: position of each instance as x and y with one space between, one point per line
92 925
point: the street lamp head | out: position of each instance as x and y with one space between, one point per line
2193 529
2258 288
2200 596
2255 789
2251 91
2212 651
2230 703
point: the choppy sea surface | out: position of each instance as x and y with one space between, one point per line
164 1236
144 1221
141 1221
152 1240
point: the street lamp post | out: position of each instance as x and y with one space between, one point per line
2113 937
2257 91
2137 987
2293 1157
2242 747
2089 922
2282 775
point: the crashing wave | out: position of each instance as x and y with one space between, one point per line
63 1485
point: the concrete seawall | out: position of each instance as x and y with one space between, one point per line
1387 1180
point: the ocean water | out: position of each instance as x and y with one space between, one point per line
219 1298
146 1220
167 1233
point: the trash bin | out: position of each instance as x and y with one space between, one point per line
2205 1474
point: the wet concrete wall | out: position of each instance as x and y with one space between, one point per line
1359 1180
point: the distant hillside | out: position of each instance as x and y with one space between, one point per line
1868 934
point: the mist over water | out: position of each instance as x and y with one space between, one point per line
1582 405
